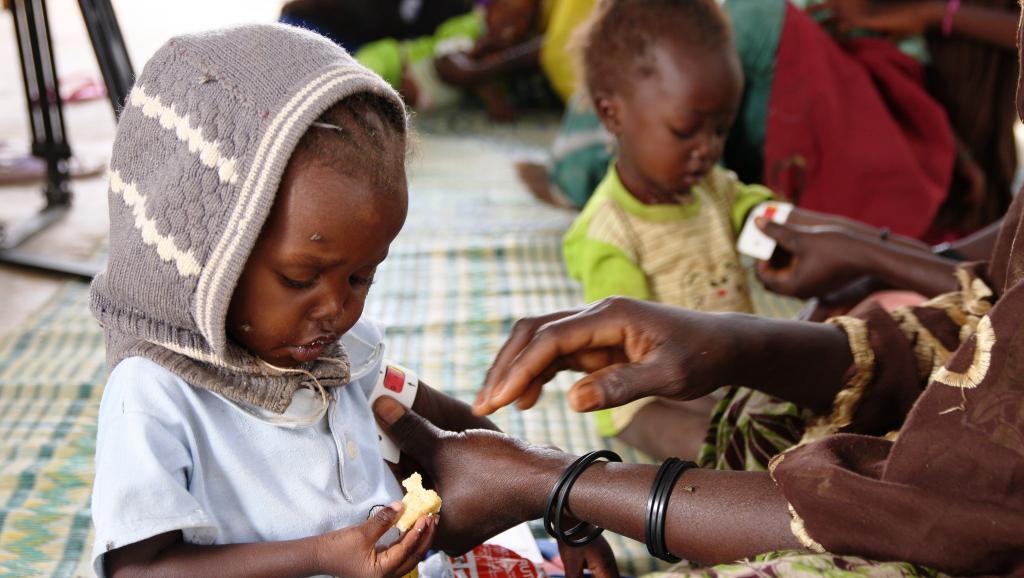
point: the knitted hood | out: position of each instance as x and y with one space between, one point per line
201 145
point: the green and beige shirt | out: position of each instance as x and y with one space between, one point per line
680 254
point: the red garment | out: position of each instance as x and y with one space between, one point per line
851 130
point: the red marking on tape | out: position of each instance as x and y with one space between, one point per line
394 380
769 213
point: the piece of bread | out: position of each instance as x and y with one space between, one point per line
418 502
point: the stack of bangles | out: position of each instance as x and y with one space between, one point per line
581 533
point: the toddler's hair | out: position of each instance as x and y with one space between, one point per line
614 47
355 134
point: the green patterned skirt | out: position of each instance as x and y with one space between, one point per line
747 429
798 564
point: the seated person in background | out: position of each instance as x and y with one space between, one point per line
665 82
971 70
521 37
843 128
353 23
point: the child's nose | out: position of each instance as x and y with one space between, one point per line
329 307
702 149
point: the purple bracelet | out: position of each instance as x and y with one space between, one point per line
947 21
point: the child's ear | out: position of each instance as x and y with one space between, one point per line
608 107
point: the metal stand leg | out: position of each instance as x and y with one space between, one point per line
46 116
110 50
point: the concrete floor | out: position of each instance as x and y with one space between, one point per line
145 24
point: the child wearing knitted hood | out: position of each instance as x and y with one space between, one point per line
257 181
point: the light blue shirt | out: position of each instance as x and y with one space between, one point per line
173 457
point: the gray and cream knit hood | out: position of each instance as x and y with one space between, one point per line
201 146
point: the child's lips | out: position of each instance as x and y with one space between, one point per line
691 178
311 350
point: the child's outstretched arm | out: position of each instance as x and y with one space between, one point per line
348 552
447 412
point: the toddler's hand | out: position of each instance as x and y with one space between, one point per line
489 481
352 552
596 556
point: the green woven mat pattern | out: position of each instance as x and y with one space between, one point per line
51 379
476 254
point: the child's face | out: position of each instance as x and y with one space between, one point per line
307 278
671 125
509 21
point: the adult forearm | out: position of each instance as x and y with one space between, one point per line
797 361
991 25
713 516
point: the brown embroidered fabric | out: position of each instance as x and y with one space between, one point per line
948 491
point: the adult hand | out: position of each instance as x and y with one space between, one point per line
810 261
893 18
488 481
630 349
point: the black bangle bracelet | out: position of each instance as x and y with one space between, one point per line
657 507
581 533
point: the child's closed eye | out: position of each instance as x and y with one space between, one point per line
297 283
684 134
361 281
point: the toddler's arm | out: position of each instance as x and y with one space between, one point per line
335 553
447 412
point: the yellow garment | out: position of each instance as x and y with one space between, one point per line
556 60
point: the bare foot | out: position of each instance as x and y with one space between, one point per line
535 177
665 429
497 104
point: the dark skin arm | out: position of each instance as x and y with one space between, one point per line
346 552
978 246
713 516
465 70
840 262
818 260
989 25
632 349
448 413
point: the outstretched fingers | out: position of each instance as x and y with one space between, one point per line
547 350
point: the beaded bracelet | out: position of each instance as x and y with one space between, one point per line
582 533
657 506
